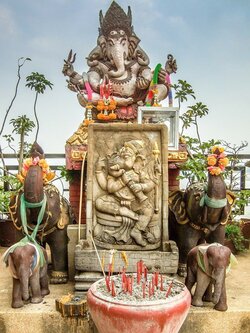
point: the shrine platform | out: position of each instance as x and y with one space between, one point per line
43 317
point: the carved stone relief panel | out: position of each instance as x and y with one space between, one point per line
127 186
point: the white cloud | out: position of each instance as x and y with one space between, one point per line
7 22
176 21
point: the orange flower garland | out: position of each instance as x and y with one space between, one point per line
105 105
217 161
48 175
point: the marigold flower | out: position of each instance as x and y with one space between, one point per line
111 107
50 175
112 116
217 148
100 105
211 160
100 116
214 171
223 162
105 117
43 164
27 163
20 177
24 171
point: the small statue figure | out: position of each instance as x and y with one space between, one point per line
206 266
28 265
119 58
129 184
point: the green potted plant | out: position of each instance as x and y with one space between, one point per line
234 237
8 234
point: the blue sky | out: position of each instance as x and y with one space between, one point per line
210 40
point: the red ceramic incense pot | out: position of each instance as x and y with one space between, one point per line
118 316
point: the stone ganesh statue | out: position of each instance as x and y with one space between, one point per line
119 60
130 182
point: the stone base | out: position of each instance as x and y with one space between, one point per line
73 236
83 280
88 265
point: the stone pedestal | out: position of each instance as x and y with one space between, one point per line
89 269
73 235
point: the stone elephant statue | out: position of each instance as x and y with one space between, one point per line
39 206
119 58
200 213
206 266
28 266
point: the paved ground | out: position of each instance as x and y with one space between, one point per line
238 286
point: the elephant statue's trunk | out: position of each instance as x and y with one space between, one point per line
117 56
33 184
24 280
216 187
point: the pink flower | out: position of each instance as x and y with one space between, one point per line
222 155
35 160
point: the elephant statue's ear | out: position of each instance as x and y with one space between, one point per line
102 43
231 197
202 259
133 42
177 205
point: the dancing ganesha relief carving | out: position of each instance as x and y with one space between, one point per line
128 183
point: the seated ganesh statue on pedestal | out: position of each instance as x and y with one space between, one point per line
119 78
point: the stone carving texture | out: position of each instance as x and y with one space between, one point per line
127 189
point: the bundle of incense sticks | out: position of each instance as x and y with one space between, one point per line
127 281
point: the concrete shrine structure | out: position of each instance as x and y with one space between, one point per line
123 157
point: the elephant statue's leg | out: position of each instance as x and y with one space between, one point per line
58 241
17 301
222 304
34 282
187 238
203 281
190 279
44 281
208 293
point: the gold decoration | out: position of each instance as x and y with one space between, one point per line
78 155
80 137
177 156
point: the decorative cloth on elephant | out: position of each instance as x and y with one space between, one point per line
38 258
211 202
202 259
